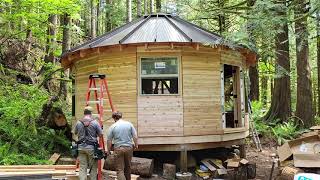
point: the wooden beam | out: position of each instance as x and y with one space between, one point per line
190 147
183 159
39 167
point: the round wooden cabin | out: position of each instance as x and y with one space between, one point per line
176 82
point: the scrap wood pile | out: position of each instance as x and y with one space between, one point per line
301 155
28 171
234 168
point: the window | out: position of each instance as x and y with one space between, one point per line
159 75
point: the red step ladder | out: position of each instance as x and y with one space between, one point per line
98 100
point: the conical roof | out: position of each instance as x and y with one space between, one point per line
154 28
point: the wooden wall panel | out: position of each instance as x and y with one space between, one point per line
82 71
232 58
160 116
121 71
120 68
201 93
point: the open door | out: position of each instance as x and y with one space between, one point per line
232 97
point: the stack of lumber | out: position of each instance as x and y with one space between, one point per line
37 170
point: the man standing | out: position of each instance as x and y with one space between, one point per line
87 130
124 137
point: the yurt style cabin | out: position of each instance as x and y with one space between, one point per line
176 82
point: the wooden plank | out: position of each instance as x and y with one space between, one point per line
70 167
208 165
51 172
54 158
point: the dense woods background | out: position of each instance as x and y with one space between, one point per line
35 93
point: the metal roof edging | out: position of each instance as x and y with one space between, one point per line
134 30
113 32
198 28
175 26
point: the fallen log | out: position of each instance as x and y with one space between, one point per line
140 166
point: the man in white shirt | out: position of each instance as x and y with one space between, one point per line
124 137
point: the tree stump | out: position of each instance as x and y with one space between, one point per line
169 171
140 166
183 176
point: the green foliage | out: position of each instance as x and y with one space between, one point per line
280 132
257 114
286 131
22 141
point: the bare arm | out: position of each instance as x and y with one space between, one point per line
135 140
109 145
134 136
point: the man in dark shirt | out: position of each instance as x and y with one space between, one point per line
87 129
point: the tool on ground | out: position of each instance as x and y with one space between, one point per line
99 101
275 160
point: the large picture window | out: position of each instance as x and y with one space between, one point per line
159 75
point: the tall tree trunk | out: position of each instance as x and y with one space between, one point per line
129 11
253 71
109 8
66 39
281 95
158 5
254 83
264 88
318 59
145 4
87 19
93 19
98 19
139 8
51 39
221 17
151 6
304 109
66 43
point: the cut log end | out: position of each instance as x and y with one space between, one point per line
140 166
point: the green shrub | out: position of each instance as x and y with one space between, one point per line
280 132
22 140
286 131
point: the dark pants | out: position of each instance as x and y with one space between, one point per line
123 157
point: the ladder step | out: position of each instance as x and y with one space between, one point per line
94 89
93 102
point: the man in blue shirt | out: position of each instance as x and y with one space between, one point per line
124 137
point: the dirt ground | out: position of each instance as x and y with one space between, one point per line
263 161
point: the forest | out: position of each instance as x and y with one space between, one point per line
36 90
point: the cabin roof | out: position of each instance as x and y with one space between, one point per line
154 28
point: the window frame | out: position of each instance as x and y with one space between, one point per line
178 75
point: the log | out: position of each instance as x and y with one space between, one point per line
289 172
140 166
169 171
